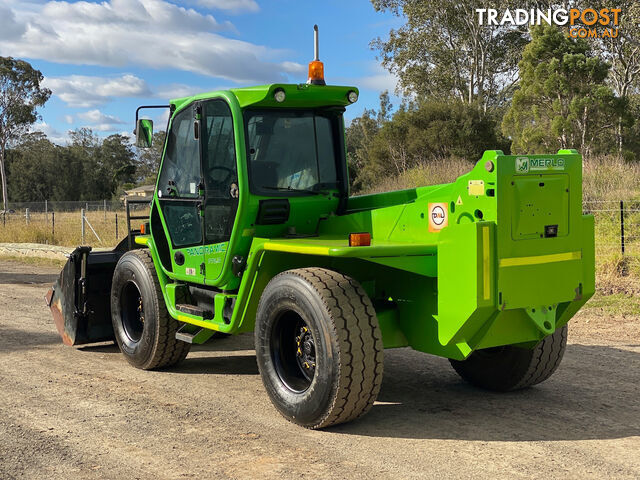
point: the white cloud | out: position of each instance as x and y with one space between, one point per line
52 134
101 122
148 33
96 116
11 28
177 90
379 80
162 119
68 119
85 92
232 6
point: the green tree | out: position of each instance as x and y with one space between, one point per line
20 96
420 133
623 53
148 160
562 100
118 159
360 134
443 52
359 137
33 169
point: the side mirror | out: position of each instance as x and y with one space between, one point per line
144 133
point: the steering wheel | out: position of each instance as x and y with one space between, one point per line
222 185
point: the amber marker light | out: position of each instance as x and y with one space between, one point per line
360 239
316 67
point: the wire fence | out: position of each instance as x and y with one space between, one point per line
103 223
617 225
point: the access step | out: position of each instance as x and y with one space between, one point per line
195 310
191 334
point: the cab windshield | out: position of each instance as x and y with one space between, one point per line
291 151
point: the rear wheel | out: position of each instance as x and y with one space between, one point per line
144 330
512 368
319 347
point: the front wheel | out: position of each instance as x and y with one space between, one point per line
319 347
513 368
144 330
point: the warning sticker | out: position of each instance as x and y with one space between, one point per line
438 216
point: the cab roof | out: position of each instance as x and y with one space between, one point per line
296 96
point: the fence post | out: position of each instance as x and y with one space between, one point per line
26 215
53 225
116 226
105 210
46 212
622 226
82 224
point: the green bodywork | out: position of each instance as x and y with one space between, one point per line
514 263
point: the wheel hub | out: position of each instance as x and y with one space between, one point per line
306 352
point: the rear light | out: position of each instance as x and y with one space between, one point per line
144 228
359 239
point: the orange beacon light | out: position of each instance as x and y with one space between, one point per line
316 67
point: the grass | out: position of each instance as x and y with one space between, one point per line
36 261
617 304
432 173
67 230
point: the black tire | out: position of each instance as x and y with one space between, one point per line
342 347
144 330
513 368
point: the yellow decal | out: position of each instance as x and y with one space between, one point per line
538 259
459 201
476 187
306 249
438 216
486 264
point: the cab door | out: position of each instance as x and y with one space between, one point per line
180 195
219 170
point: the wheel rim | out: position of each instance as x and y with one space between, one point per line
293 351
132 312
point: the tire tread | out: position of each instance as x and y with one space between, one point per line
360 341
168 350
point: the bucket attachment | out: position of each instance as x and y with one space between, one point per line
80 298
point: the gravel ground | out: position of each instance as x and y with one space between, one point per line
85 413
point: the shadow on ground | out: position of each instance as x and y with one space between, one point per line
595 394
28 278
13 339
231 365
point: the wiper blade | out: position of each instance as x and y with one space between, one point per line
289 189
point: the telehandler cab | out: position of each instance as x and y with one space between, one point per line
252 228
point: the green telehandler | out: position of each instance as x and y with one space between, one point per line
252 228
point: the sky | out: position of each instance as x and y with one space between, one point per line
102 59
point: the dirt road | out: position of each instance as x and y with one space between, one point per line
84 413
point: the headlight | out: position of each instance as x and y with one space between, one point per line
279 95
